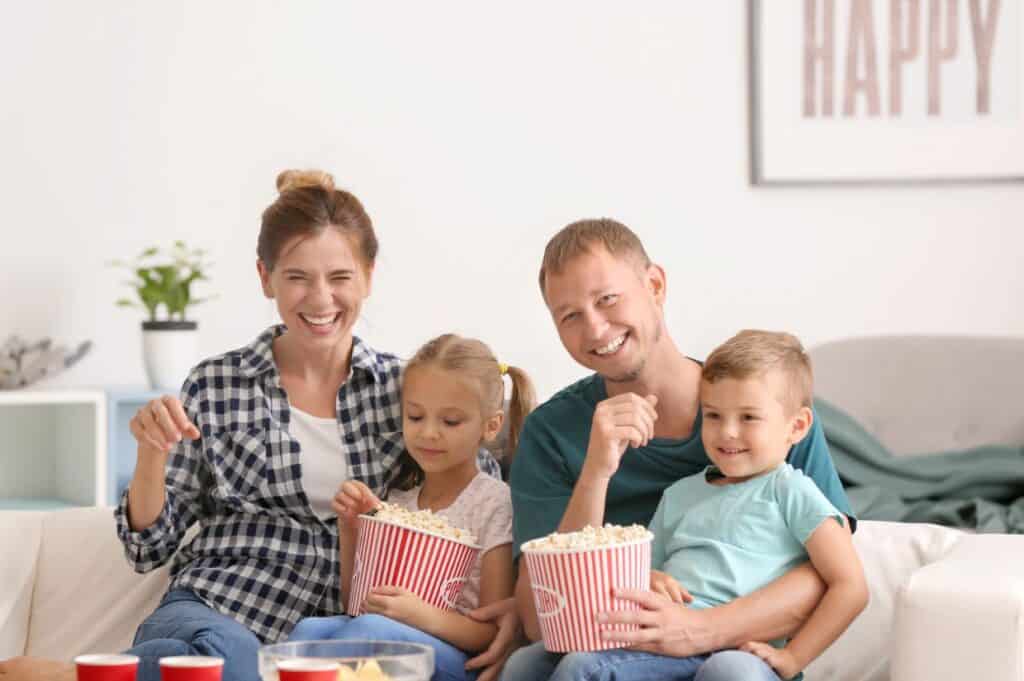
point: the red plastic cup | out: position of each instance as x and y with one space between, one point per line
191 668
106 667
307 669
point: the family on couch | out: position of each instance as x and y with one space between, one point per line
274 537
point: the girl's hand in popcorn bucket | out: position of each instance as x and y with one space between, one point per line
352 500
666 585
398 604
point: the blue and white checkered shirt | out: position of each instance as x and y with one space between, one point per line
261 555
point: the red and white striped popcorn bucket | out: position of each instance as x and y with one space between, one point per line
430 565
571 586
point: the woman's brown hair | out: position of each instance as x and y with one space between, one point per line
307 204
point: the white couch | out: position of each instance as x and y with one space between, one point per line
944 604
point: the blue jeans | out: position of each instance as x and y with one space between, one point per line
449 661
183 625
533 663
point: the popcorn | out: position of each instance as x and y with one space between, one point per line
425 520
589 538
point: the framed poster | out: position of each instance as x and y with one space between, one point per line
881 91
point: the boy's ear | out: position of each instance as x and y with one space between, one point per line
493 425
801 425
368 273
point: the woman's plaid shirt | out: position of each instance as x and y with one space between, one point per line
261 556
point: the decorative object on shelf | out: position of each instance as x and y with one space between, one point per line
163 283
880 91
23 363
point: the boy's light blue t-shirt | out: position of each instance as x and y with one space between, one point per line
721 542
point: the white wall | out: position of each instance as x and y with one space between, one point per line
472 132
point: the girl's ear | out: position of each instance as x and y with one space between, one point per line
493 425
801 425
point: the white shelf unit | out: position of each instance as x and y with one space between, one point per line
53 449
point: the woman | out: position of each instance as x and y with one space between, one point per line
259 444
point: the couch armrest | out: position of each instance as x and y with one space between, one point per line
20 536
962 617
87 597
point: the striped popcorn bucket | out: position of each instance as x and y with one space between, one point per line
431 566
571 586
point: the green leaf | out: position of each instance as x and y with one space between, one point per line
164 279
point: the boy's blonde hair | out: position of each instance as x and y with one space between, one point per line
752 352
474 361
579 237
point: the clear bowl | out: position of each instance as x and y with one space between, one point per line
399 661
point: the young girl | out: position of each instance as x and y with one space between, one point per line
452 396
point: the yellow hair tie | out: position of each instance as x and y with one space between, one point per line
502 368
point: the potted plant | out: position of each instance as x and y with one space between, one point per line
163 281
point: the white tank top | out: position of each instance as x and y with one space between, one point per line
323 463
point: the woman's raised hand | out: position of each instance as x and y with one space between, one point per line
161 424
157 427
353 498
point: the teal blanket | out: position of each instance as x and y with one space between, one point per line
981 489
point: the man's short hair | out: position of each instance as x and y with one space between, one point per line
580 237
752 352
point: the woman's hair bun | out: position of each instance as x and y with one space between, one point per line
300 179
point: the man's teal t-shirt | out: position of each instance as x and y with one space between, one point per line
553 445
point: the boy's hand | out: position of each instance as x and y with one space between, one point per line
353 498
666 585
398 604
780 659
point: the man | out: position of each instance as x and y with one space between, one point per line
604 449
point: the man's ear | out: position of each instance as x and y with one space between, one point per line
656 282
264 273
493 425
801 425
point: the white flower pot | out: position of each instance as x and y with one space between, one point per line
170 350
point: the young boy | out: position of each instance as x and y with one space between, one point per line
745 520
